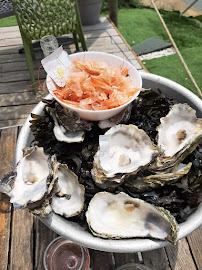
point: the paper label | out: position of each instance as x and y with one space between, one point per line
56 66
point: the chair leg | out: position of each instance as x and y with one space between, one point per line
28 54
76 41
32 50
79 28
82 40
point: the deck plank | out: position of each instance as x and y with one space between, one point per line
156 259
15 112
8 139
43 238
21 253
179 256
125 258
101 260
195 243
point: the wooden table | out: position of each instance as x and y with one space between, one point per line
23 237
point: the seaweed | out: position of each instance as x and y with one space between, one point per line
181 198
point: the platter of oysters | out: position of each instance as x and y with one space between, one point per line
126 184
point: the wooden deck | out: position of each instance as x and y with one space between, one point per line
24 238
16 95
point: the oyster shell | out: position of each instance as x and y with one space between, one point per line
121 216
159 179
35 177
120 118
61 133
68 200
179 134
123 150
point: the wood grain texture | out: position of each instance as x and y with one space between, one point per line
5 217
195 243
124 258
101 260
156 259
12 123
8 139
21 251
179 256
15 112
43 237
7 151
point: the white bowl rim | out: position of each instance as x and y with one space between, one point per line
76 233
107 110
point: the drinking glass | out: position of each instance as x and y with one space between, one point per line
133 266
48 44
63 254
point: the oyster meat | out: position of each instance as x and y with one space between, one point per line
68 200
121 216
123 150
35 177
179 134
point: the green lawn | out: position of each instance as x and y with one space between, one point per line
136 25
10 21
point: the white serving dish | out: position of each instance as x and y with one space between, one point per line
76 233
111 60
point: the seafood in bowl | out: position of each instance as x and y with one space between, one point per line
97 85
175 193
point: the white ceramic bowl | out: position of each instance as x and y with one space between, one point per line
111 60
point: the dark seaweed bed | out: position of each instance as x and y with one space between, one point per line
181 198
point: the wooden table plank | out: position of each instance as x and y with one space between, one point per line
101 260
124 258
179 256
14 112
15 87
8 139
43 237
21 251
195 243
156 259
11 123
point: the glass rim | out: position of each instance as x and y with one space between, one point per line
66 240
137 265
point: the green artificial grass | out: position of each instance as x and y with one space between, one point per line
172 68
10 21
137 25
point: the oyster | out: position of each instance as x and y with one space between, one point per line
179 134
120 118
35 177
61 133
121 216
123 150
159 179
68 200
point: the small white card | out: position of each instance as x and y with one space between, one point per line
56 66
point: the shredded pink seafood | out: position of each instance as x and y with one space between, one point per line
94 85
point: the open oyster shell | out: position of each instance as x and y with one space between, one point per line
123 150
68 200
63 135
178 135
35 177
121 216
